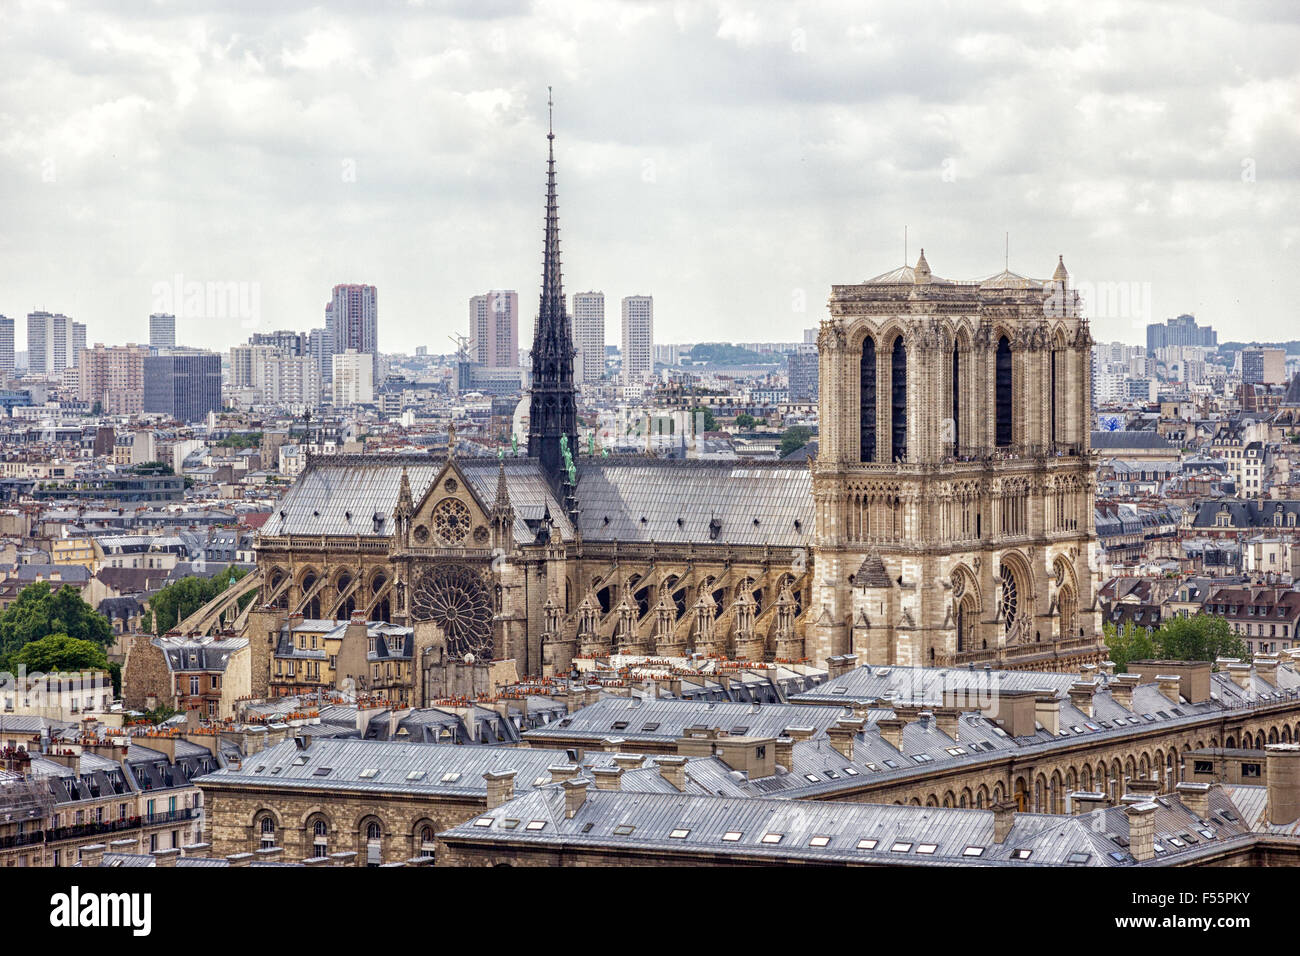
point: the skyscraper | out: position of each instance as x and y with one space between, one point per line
638 338
185 386
162 331
552 407
353 317
53 341
589 335
1180 331
494 328
320 346
802 365
6 347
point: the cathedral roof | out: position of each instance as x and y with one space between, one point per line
1292 396
670 501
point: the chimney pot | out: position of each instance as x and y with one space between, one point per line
673 769
607 778
575 795
1195 797
1141 829
500 787
891 731
1004 817
165 857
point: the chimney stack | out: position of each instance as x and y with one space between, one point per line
607 778
1282 769
785 752
1004 816
562 772
93 855
629 761
1107 668
1169 686
948 720
165 857
500 787
270 854
1121 689
1141 830
1266 668
1081 694
575 795
1085 802
891 732
197 851
673 769
1240 674
240 859
800 733
1047 711
841 735
1195 797
344 858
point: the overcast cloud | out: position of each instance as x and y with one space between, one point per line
731 159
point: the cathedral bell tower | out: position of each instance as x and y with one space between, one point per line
552 412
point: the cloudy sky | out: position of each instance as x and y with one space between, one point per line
731 159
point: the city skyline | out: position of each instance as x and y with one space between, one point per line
1171 179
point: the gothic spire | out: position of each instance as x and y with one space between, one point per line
553 404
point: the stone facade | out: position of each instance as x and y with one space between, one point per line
954 483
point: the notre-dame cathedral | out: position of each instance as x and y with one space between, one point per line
947 517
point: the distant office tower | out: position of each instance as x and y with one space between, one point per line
320 346
1263 366
277 375
113 377
162 331
810 336
354 381
6 347
52 341
803 373
294 343
638 338
494 329
1180 331
185 385
589 335
353 318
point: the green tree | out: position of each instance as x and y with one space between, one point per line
153 468
1204 637
795 438
59 652
39 612
1132 643
744 420
179 600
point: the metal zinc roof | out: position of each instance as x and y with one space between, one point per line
755 503
674 718
927 684
652 817
393 764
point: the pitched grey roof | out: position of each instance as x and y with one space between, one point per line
287 766
674 501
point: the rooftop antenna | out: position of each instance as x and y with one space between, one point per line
550 115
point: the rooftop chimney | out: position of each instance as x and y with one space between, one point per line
948 720
240 859
673 769
1240 674
1121 689
500 787
1266 667
1086 801
270 854
197 851
165 857
1004 816
1195 797
575 795
562 772
891 732
1169 684
841 735
629 761
93 855
344 858
1283 772
1081 694
800 733
785 752
1047 711
1107 668
607 778
1141 830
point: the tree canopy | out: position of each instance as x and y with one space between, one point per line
1204 637
179 600
795 438
41 611
59 652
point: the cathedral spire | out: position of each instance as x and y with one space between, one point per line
553 405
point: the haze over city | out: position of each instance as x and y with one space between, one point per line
733 160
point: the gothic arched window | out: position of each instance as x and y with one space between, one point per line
1002 436
898 396
867 402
